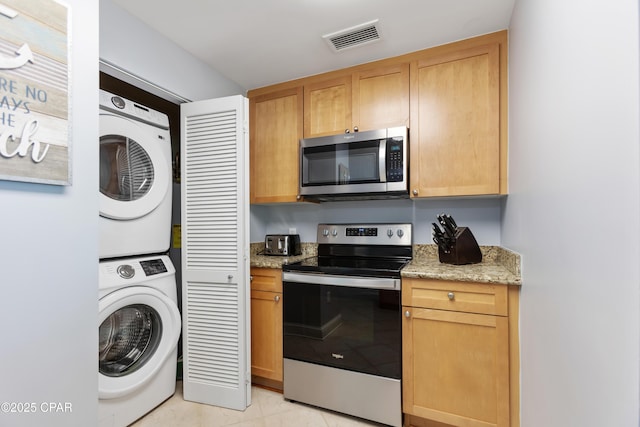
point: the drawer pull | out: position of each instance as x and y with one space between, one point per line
451 296
276 298
407 314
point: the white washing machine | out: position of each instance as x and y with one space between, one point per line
139 326
135 178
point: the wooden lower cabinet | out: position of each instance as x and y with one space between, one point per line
266 327
456 364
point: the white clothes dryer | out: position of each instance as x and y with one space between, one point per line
135 178
139 326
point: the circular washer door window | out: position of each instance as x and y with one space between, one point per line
128 338
134 170
138 329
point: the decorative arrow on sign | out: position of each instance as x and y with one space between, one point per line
24 55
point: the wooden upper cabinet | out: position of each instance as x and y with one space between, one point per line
453 98
381 97
366 99
327 107
455 132
275 129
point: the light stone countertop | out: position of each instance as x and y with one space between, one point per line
267 261
499 265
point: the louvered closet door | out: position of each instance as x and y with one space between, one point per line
215 252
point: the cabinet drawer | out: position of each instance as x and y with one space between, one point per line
456 296
266 279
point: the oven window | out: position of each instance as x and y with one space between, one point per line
349 328
355 163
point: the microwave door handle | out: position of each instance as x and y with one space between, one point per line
382 160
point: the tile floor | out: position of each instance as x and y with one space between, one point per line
268 409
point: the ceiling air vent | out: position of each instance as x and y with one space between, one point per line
355 36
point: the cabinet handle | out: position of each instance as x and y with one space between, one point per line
251 278
276 298
347 131
355 128
298 197
407 314
415 192
451 296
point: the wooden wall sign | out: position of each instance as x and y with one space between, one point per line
34 92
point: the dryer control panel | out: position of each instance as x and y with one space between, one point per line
117 104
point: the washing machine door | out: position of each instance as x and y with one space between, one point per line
138 330
134 168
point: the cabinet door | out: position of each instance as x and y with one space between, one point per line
327 107
275 129
266 335
381 97
455 123
456 367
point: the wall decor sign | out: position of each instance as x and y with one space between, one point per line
34 92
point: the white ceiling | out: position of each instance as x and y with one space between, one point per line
261 42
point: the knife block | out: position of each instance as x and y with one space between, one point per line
464 250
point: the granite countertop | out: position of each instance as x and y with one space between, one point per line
267 261
499 265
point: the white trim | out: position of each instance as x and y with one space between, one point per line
128 77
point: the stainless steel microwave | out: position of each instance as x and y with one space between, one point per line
361 165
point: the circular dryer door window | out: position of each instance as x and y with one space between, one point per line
139 328
135 172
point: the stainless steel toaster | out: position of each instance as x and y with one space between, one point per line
282 244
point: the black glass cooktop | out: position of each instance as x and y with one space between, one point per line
350 266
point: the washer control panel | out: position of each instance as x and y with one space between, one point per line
149 267
153 266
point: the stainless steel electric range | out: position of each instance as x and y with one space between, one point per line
342 321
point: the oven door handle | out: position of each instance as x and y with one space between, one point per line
349 281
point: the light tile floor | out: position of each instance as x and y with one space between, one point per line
268 409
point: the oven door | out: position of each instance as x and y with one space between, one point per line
344 322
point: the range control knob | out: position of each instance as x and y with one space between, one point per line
334 232
325 232
400 233
390 233
126 271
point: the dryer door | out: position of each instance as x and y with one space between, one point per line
134 169
138 329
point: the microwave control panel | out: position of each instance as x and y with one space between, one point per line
395 156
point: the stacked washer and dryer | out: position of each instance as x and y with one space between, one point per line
139 322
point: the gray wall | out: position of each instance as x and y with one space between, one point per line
49 264
573 209
130 44
481 215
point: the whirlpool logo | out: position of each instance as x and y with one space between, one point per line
337 356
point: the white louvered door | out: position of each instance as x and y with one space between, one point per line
215 252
